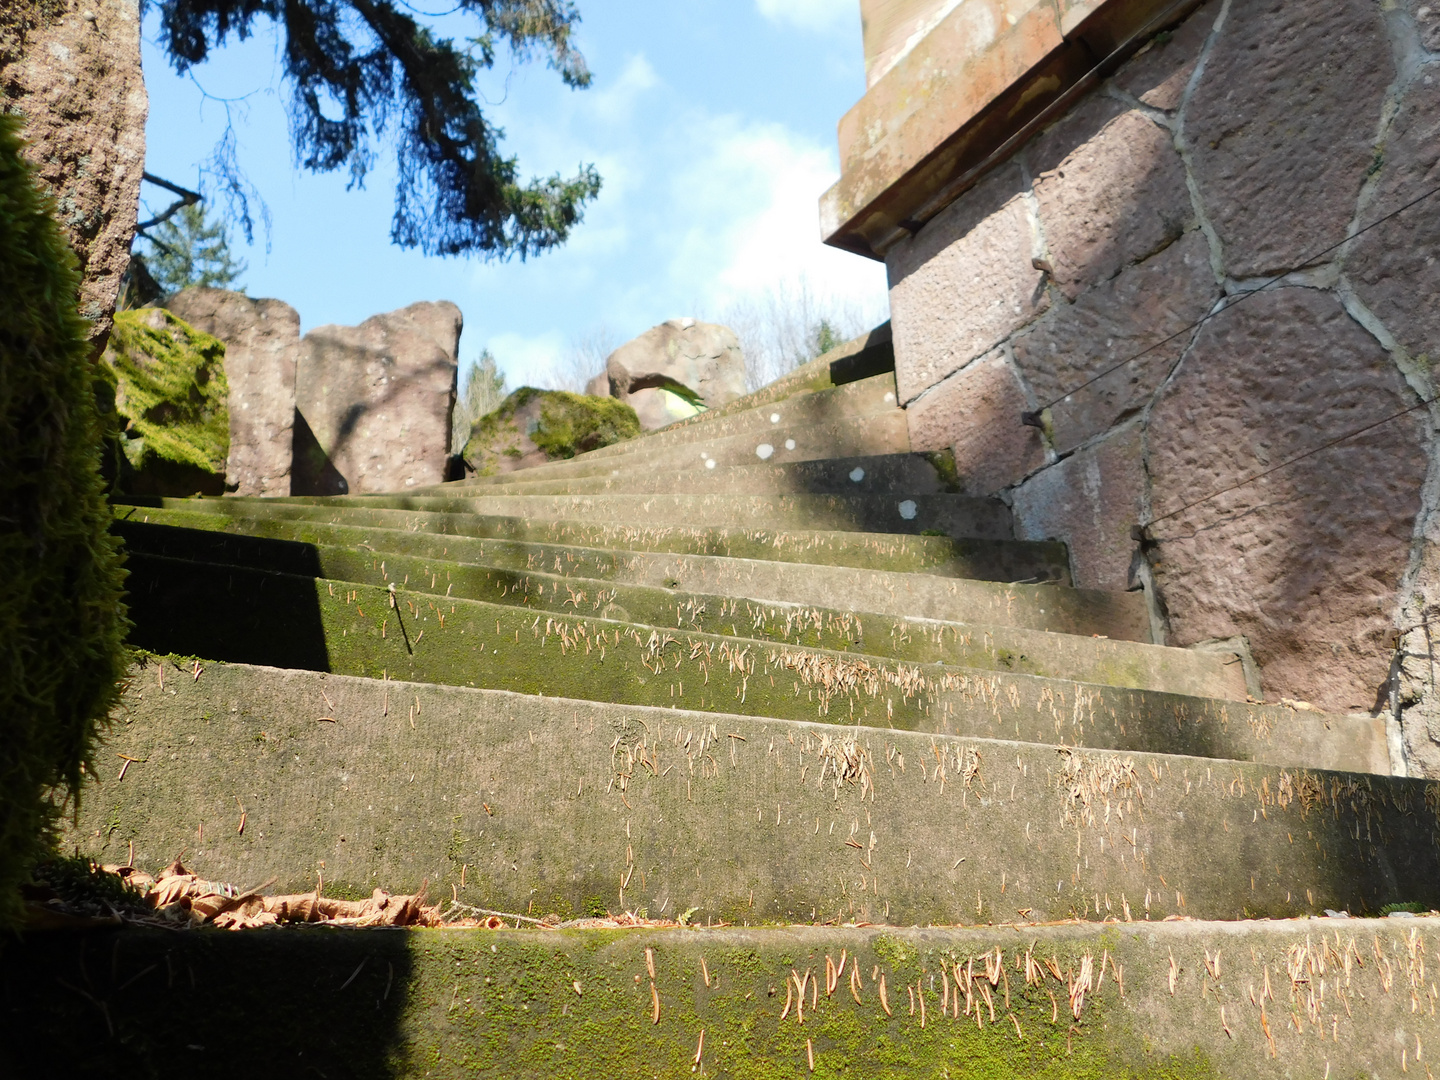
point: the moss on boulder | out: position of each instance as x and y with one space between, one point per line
534 426
170 405
62 617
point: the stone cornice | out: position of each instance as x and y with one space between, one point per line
986 77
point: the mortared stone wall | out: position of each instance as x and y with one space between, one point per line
1252 141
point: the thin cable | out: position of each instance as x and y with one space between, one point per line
1291 461
1220 311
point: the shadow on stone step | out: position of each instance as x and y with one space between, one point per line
298 1003
226 612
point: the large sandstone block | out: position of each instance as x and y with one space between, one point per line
1089 500
976 413
1111 191
1282 126
262 339
1305 562
670 370
72 69
964 283
1395 267
373 402
1136 311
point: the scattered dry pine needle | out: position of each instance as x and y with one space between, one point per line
655 1006
810 1054
884 997
650 962
701 1048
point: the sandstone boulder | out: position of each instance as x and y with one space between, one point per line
373 402
72 69
697 363
534 426
262 338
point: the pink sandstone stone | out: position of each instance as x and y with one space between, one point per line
1111 190
1159 74
1305 562
1281 128
1089 500
963 283
1427 21
976 412
1395 267
1121 318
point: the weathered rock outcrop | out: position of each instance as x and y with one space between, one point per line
534 426
262 340
72 69
373 402
673 370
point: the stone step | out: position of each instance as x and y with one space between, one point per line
451 1004
234 613
866 436
914 474
752 554
857 400
533 804
897 514
897 637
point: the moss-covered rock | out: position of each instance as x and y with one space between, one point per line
535 426
170 405
62 619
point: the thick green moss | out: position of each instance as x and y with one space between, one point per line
170 397
61 616
546 425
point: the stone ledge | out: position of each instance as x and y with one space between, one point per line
961 99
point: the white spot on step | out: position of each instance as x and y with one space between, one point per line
908 509
710 463
857 474
889 397
789 444
774 418
764 450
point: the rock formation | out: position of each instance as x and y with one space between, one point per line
673 370
262 340
373 402
72 69
534 426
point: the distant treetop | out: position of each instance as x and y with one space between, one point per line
189 249
381 70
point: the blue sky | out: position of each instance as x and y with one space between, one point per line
712 123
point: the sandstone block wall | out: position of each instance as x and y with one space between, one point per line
373 403
262 340
72 69
1255 141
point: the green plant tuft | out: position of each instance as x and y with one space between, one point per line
62 618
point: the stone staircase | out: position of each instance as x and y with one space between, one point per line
762 673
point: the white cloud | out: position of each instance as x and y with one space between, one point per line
810 14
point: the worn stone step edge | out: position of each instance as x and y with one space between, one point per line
947 558
851 401
960 516
543 804
913 474
880 433
451 1004
238 614
898 637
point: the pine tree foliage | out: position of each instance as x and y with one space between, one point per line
483 393
190 249
358 70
